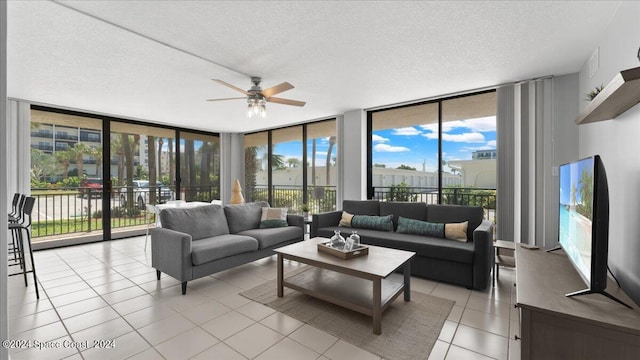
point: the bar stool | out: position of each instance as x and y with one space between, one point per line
16 230
16 217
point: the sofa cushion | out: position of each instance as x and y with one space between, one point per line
409 210
424 246
382 223
218 247
346 219
273 217
417 227
455 214
273 236
361 207
456 231
241 217
199 222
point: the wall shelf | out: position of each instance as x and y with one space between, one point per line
621 94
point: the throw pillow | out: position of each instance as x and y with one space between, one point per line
417 227
273 217
456 231
384 223
346 219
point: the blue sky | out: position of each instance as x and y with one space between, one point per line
571 174
418 145
414 145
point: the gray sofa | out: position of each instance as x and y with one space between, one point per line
464 263
199 241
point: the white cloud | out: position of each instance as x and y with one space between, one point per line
389 148
472 137
378 138
484 124
406 131
492 144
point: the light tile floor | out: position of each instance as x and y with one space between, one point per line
105 291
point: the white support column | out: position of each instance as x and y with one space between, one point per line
231 163
352 130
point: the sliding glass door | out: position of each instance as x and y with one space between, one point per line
93 176
141 174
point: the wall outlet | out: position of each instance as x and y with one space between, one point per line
594 62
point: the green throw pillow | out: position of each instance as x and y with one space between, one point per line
383 223
273 217
417 227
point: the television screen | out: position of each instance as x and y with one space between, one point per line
576 214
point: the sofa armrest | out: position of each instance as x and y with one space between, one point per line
296 220
171 253
482 254
331 218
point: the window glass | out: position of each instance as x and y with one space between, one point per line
255 167
404 153
322 169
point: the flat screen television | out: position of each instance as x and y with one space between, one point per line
584 222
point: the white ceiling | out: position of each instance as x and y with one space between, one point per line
112 56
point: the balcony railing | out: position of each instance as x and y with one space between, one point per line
320 198
78 210
486 198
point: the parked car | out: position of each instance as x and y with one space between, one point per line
91 186
141 193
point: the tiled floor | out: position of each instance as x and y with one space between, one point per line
106 291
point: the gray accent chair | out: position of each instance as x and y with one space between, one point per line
200 241
463 263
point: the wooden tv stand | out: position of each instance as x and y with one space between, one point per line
554 326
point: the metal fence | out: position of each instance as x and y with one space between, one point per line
486 198
320 198
79 210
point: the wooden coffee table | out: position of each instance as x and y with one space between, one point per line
364 284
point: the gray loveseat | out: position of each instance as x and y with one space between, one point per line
196 242
464 263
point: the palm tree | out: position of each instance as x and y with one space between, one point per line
151 143
42 164
96 153
63 157
332 143
160 143
586 192
78 151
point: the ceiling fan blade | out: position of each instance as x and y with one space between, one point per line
234 98
224 83
286 101
277 89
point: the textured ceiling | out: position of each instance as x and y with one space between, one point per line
153 60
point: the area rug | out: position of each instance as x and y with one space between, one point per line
409 329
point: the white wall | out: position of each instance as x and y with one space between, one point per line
616 141
4 156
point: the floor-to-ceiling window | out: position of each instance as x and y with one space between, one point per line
442 151
199 166
287 168
322 172
293 166
66 174
93 176
404 154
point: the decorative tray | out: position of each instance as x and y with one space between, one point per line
326 247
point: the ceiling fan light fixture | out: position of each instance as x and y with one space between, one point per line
256 107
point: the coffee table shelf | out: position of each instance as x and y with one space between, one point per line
344 290
366 284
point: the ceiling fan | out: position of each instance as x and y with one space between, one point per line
257 97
